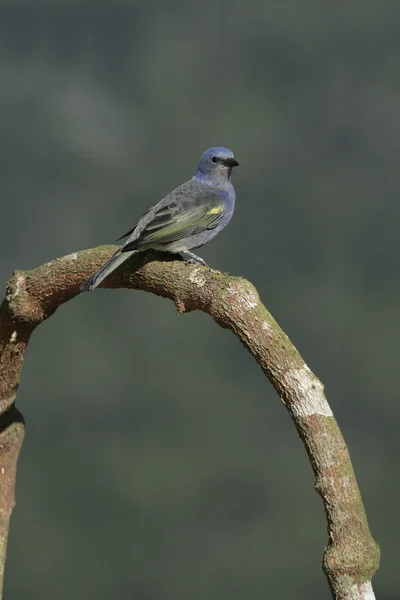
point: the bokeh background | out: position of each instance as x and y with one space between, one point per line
159 463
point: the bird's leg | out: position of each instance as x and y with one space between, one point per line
190 257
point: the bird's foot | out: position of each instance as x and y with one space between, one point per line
193 258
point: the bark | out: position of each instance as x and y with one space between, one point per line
351 556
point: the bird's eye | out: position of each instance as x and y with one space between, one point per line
215 159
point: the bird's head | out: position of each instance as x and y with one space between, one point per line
216 163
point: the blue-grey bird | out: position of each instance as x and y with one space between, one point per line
189 217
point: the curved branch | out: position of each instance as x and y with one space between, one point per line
351 556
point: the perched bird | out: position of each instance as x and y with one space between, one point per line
189 217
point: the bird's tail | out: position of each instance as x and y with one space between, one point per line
117 259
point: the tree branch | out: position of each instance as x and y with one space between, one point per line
351 556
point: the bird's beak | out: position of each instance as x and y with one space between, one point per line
231 162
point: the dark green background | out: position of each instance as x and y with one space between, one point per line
159 463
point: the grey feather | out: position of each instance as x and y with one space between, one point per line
117 259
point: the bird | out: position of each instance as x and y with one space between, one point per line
187 218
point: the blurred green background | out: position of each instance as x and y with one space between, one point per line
159 463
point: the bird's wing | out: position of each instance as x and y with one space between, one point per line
132 229
188 210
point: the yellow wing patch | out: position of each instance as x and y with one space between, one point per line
216 210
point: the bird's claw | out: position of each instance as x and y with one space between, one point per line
193 258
